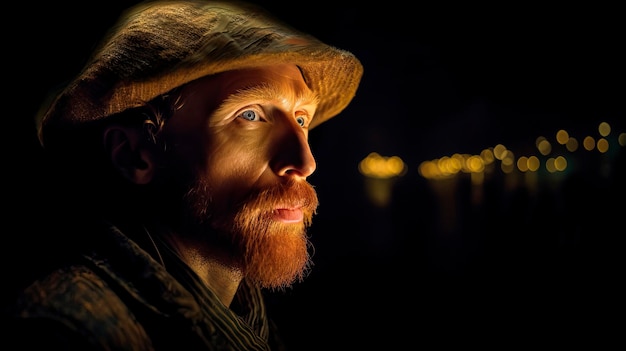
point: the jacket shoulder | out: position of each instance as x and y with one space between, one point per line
74 302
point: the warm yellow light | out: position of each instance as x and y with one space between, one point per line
477 178
550 165
522 163
539 140
508 158
562 136
507 167
379 191
621 139
377 166
560 163
589 143
499 151
488 157
428 170
572 144
449 165
602 145
544 147
460 159
475 164
604 129
533 163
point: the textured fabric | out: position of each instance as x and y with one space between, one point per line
117 297
160 45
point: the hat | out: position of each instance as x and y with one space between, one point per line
157 46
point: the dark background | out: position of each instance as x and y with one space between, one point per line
520 267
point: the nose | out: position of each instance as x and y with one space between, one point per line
293 156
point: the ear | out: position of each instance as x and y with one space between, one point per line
129 153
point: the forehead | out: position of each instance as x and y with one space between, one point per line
274 82
282 84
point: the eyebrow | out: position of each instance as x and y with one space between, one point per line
267 92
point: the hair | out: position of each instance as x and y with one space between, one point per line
151 117
80 170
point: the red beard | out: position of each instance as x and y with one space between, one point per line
271 254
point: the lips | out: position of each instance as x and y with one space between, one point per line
288 215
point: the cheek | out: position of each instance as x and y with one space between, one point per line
232 171
235 155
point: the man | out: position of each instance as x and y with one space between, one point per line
181 154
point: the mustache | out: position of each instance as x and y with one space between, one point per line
290 194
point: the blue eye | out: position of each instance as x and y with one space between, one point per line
250 115
301 121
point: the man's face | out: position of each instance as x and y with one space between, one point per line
243 137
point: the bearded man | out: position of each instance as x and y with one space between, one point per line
181 155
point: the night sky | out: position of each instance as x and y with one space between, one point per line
438 80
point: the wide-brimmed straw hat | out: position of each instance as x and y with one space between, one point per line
159 45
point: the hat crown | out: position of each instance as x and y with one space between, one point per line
160 45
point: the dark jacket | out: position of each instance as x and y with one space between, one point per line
116 296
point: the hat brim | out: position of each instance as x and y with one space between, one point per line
159 46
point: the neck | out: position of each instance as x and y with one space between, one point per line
220 275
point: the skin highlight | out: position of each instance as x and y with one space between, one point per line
239 147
